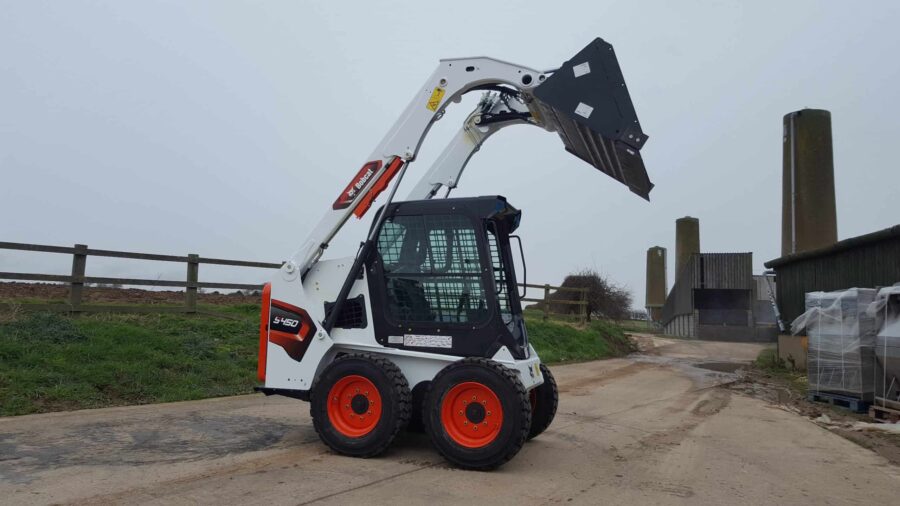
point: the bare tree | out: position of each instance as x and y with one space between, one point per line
605 298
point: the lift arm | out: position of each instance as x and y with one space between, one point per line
451 79
495 111
585 102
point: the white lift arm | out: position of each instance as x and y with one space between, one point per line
448 83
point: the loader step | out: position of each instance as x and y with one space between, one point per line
842 401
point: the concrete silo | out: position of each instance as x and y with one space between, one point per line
808 212
657 288
687 242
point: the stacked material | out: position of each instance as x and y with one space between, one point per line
886 310
841 334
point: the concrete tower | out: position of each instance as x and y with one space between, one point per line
656 282
687 242
808 214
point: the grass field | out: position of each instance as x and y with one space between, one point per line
50 362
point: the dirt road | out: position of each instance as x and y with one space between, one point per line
651 429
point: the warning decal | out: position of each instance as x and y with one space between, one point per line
580 70
435 99
427 341
584 110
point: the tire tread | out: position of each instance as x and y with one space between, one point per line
537 416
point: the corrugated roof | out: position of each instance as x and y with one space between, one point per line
837 247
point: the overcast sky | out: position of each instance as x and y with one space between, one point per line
226 128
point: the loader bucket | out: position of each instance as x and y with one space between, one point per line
586 102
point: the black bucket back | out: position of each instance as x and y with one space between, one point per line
587 103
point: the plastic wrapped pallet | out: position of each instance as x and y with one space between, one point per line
841 332
886 311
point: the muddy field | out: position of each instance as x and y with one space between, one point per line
51 292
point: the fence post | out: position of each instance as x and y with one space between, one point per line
546 301
76 289
583 312
190 293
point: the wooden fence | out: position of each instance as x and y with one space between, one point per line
547 301
192 283
78 279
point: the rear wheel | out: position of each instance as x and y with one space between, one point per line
544 400
477 413
359 403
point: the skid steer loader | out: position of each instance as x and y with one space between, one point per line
424 324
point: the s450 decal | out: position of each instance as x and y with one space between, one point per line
290 327
287 322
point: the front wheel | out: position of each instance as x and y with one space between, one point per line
477 413
359 403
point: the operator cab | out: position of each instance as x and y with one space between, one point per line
441 278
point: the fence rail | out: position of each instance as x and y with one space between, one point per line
547 301
77 281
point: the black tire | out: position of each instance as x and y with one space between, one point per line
544 401
508 436
392 388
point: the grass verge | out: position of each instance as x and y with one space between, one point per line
768 363
558 342
52 362
49 362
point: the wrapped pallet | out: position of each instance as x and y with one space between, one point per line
841 342
886 311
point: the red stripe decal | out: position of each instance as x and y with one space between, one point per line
352 190
378 187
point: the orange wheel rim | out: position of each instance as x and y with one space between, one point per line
354 406
472 415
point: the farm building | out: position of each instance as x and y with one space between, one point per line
866 261
717 297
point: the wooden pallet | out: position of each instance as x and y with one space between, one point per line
883 414
841 401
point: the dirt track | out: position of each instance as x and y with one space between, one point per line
650 429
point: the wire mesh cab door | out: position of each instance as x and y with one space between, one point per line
432 279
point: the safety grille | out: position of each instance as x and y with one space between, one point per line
432 269
353 313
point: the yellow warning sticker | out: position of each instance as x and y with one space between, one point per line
435 99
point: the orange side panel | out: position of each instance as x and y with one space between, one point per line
263 332
378 187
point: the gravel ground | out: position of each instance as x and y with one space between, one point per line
663 426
